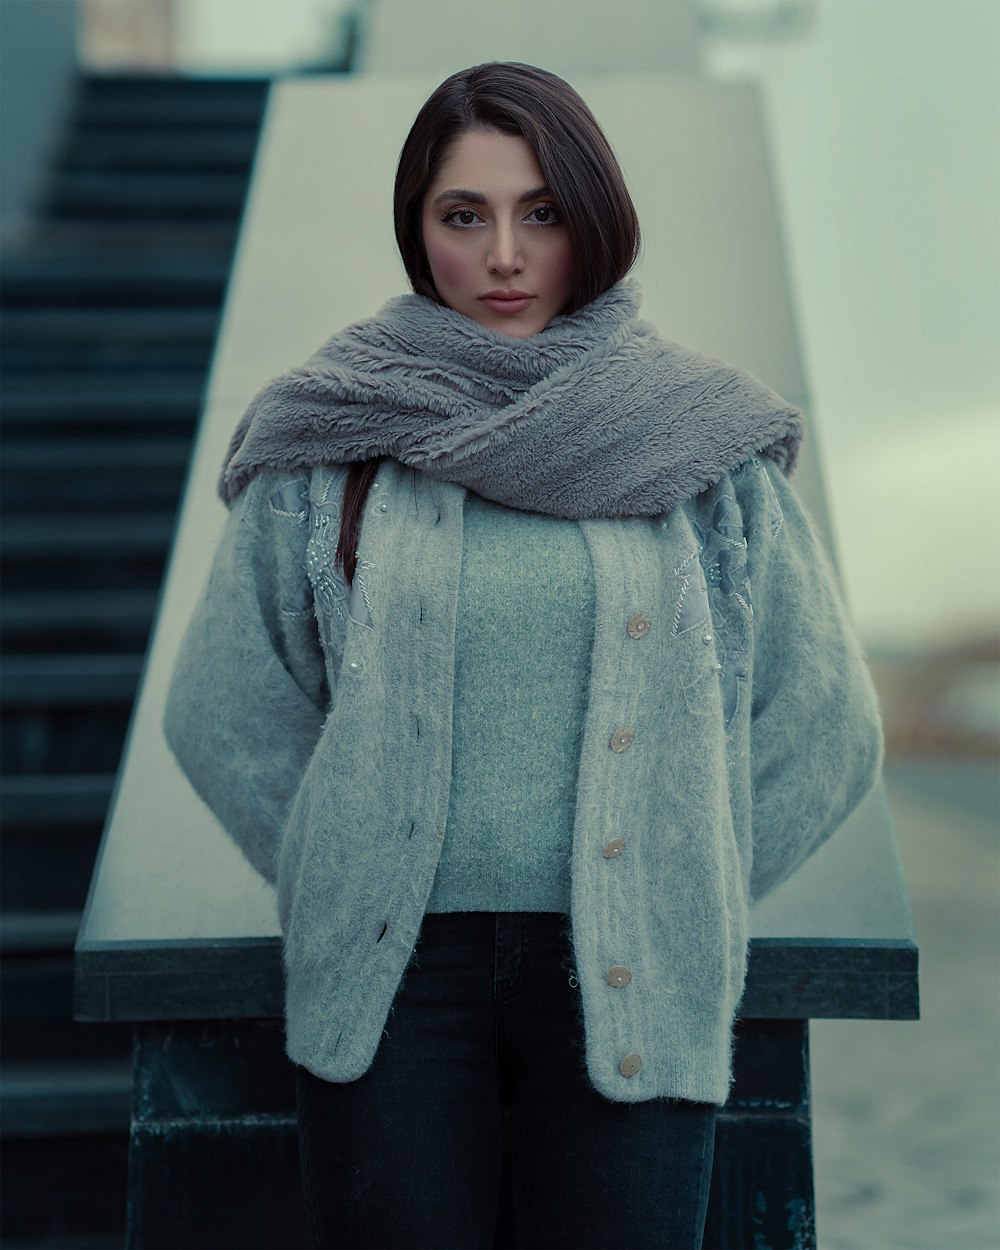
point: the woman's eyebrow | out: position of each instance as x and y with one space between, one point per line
477 197
535 193
457 193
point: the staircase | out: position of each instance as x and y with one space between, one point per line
109 312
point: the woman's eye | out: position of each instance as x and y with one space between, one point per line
544 215
461 217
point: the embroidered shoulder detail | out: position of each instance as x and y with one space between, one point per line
300 601
360 604
692 607
330 586
775 516
718 522
328 582
724 547
291 500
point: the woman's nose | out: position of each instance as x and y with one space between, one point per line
505 253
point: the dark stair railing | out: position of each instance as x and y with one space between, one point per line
109 312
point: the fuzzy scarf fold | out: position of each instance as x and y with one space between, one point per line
595 416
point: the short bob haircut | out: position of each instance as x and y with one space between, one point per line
579 167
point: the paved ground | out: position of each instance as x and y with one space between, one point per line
907 1116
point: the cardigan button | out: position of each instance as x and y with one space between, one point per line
639 625
630 1065
613 848
619 976
622 739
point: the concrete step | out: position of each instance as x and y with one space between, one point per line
83 622
101 455
106 1239
126 87
37 1023
132 236
150 196
41 802
63 739
34 276
84 553
126 399
122 324
83 572
35 932
46 537
40 1099
67 1193
219 148
47 869
46 356
94 475
66 681
151 113
51 827
65 1153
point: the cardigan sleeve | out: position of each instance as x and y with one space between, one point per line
815 730
248 694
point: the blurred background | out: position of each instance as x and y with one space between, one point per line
128 132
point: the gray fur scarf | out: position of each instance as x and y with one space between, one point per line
595 416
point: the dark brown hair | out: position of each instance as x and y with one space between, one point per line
579 166
580 169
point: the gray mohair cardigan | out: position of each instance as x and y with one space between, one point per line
731 726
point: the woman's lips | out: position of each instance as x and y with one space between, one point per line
507 301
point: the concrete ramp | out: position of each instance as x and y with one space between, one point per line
316 252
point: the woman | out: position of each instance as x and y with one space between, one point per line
521 672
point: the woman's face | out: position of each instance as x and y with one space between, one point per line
495 241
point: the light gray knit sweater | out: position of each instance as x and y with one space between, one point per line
730 727
524 631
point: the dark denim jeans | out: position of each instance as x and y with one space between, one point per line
410 1154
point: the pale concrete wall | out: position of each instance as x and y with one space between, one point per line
565 36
